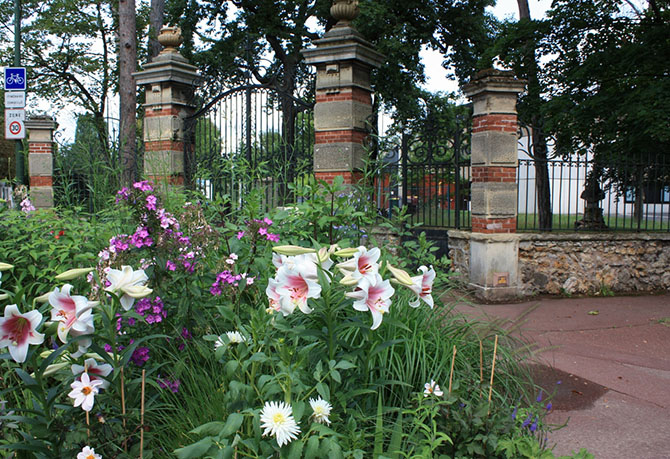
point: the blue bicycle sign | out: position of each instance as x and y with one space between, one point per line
15 78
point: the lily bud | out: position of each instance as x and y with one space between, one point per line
43 298
292 250
47 353
348 281
346 252
400 275
73 273
324 254
137 291
4 296
5 266
53 368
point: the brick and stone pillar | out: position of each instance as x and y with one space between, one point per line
494 245
40 160
343 61
169 82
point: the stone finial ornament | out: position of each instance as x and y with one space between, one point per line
170 37
344 10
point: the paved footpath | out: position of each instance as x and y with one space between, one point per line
612 356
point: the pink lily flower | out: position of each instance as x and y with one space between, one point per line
273 296
423 287
294 289
373 297
363 265
18 331
72 311
96 371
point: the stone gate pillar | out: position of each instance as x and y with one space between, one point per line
169 82
343 61
493 245
40 160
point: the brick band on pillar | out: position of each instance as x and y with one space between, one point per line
40 160
169 82
343 61
494 150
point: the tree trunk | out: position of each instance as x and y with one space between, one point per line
127 90
156 17
538 139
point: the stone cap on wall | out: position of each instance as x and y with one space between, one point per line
493 81
343 44
483 237
171 67
41 128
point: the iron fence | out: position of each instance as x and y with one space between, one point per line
623 195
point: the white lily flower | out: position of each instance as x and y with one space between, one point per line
95 371
432 388
373 297
18 331
126 281
88 453
423 287
363 265
73 312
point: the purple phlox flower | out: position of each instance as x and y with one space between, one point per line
143 186
118 243
240 234
167 383
514 412
151 202
185 333
140 356
549 406
262 231
170 265
559 382
273 237
27 206
122 194
141 238
267 221
526 421
539 396
533 426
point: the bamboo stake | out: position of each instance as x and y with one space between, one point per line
123 401
493 369
142 417
88 429
451 373
481 367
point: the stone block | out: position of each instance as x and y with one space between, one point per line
347 75
494 102
163 163
40 164
42 197
491 256
163 128
493 148
495 200
344 156
342 114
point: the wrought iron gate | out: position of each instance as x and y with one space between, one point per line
427 170
250 137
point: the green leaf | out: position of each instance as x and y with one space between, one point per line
197 449
211 428
312 447
233 423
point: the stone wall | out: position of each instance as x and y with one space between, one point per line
581 263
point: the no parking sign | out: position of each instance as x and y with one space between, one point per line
14 124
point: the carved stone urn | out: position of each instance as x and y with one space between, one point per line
344 10
170 38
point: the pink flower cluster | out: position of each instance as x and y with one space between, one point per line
223 279
259 227
141 238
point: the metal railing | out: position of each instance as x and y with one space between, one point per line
625 195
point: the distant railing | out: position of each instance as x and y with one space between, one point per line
625 196
6 194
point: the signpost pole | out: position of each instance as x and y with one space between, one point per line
20 173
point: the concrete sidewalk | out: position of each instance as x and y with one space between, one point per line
611 356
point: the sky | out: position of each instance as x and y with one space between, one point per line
436 75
